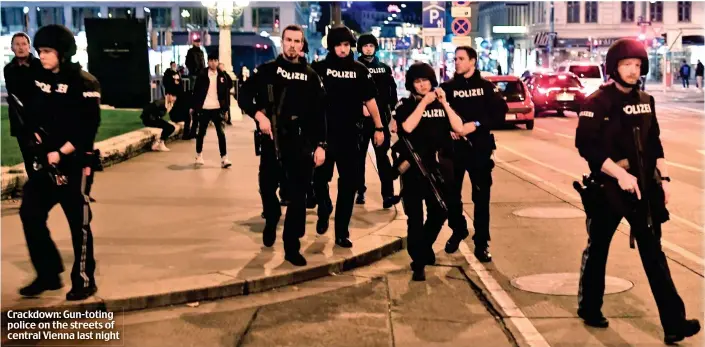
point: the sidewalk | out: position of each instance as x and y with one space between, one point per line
166 233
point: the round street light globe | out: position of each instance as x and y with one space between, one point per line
403 5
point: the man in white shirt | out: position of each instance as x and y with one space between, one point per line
211 102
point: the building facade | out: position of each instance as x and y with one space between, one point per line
505 44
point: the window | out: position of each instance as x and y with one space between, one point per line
627 11
194 17
590 11
121 12
513 91
78 14
656 11
684 8
573 11
560 81
13 20
161 16
265 17
542 13
586 71
50 15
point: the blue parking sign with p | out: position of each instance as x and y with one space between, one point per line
434 13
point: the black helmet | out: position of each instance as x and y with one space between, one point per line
57 37
365 39
339 35
420 70
624 49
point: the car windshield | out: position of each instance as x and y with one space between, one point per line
561 81
513 91
586 71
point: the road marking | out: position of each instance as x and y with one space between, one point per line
684 167
562 120
565 135
575 196
701 151
527 330
542 130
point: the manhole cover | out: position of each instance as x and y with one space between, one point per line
550 212
565 284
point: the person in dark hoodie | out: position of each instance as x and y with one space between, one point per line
386 101
348 84
425 119
19 81
152 116
65 115
296 145
631 183
481 106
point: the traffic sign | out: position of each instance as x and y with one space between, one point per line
461 26
434 14
462 41
460 12
461 3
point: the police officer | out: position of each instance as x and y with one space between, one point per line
610 121
480 106
67 110
348 84
300 136
386 101
425 119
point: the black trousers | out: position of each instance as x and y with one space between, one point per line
296 168
40 196
343 152
383 163
167 128
204 118
478 164
600 230
26 155
415 191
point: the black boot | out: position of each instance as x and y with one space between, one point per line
322 225
390 201
40 285
482 253
81 293
689 328
431 258
596 320
295 258
269 235
345 243
418 275
454 241
360 199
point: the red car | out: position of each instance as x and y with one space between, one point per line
556 92
515 92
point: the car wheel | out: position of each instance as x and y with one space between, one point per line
530 125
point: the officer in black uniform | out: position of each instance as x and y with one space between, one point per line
613 122
348 84
425 119
386 101
481 106
301 136
67 114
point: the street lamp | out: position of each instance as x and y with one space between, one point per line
225 12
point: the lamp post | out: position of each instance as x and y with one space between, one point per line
225 13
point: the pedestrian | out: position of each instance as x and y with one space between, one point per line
221 67
294 138
425 119
699 71
481 106
19 81
211 103
348 85
386 99
67 110
152 116
173 88
195 61
613 122
685 74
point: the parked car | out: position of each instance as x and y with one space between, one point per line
589 73
515 92
561 91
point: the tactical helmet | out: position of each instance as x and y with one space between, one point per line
624 49
365 39
420 70
57 37
339 35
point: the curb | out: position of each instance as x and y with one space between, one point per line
113 151
223 284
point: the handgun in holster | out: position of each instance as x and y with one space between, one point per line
590 190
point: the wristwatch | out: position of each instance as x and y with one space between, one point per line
667 179
379 129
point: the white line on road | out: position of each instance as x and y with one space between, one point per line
671 246
526 329
565 135
701 151
684 167
542 130
564 120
